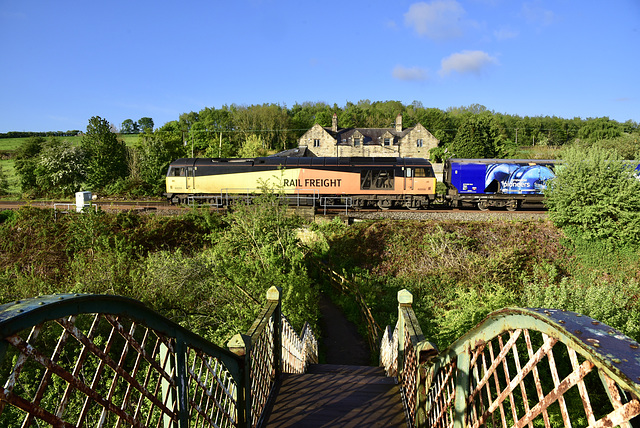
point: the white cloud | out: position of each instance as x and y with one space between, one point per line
437 20
466 62
409 74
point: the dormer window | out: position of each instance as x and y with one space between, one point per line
387 142
356 142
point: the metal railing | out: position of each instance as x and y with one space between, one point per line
519 367
267 349
108 361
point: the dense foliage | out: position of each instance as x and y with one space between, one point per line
106 156
459 272
206 271
596 196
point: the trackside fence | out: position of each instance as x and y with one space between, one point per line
108 361
519 367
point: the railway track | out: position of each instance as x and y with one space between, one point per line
438 213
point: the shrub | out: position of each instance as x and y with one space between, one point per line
596 196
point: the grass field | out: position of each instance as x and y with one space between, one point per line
12 144
9 171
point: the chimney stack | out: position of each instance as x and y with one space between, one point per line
399 123
334 123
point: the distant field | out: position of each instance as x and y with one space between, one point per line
11 144
10 172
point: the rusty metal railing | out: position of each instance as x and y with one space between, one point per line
520 367
89 360
108 361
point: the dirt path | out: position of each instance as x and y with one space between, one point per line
340 342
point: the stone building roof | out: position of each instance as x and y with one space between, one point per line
369 135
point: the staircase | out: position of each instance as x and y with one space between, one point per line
331 395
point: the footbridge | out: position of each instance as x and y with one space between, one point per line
107 361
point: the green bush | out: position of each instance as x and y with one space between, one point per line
595 196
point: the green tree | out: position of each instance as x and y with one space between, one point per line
60 169
151 157
252 147
106 155
261 248
596 197
129 127
4 182
26 162
599 129
146 124
479 136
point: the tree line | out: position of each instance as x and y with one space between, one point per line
473 131
103 163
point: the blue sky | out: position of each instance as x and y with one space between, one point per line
66 61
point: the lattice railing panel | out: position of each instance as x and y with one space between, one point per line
298 350
518 382
408 378
389 351
212 391
526 368
310 344
263 370
102 371
70 367
435 407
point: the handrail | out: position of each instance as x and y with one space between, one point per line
102 360
516 368
271 347
56 351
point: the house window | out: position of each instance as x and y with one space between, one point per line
387 141
356 142
316 143
419 142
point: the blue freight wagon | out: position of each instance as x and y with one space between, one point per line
497 182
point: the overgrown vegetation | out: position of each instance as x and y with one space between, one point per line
596 197
459 272
206 271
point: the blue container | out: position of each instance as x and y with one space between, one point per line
500 176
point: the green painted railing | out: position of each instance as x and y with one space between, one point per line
99 360
519 367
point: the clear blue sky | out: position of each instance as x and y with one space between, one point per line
66 61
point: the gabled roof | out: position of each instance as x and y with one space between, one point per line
370 135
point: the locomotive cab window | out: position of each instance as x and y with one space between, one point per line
377 179
177 172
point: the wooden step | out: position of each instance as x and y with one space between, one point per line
346 370
338 396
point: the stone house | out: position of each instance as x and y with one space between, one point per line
411 142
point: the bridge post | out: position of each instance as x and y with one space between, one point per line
405 299
240 344
274 294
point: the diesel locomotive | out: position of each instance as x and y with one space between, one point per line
358 182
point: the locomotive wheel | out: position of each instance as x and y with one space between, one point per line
384 204
513 205
483 205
